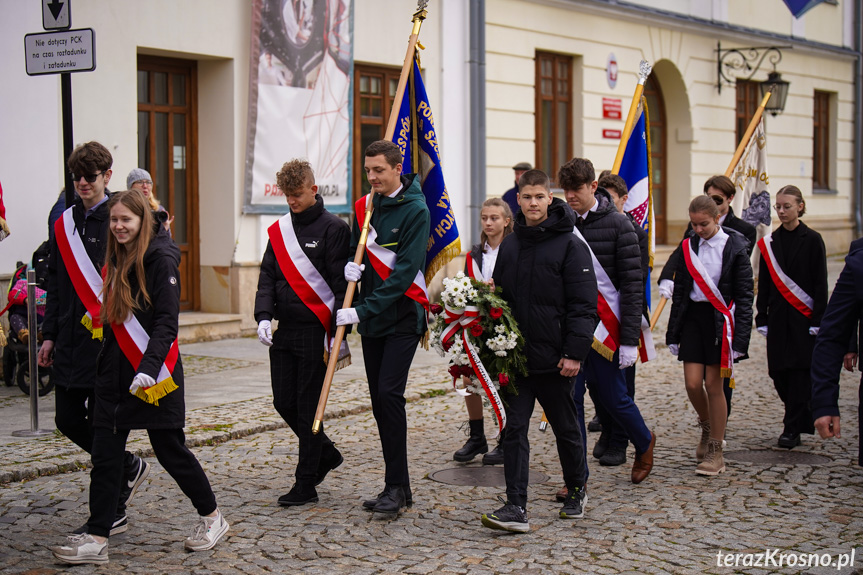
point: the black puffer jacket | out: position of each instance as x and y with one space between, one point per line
324 238
547 278
75 350
116 408
614 243
735 284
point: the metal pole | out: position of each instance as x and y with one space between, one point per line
68 141
477 116
33 326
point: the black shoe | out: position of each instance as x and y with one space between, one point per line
476 443
327 464
510 517
391 500
134 477
601 445
120 525
614 455
494 457
369 504
299 496
595 424
789 440
573 508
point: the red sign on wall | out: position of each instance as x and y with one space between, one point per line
611 108
611 134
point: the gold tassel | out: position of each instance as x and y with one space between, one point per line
602 350
87 322
157 392
3 341
424 340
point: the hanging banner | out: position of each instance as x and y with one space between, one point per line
299 98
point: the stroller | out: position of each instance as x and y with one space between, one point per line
16 363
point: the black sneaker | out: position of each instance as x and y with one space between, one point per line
508 518
134 477
789 440
573 508
120 525
298 496
614 455
369 504
601 445
594 424
327 464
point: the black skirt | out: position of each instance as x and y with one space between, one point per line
698 341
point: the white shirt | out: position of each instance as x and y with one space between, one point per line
395 193
489 257
722 218
710 254
593 208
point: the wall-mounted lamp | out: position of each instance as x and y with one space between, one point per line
733 64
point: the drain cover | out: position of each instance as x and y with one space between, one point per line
485 476
772 456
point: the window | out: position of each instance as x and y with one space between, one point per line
553 111
748 99
374 90
821 141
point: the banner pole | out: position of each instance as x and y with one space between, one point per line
748 134
644 69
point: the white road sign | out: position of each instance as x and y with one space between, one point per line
57 52
55 15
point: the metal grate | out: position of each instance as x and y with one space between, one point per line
772 456
485 476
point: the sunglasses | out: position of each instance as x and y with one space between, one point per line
89 178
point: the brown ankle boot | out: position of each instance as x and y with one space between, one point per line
713 463
701 450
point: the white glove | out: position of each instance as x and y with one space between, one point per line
142 381
736 354
762 330
666 288
265 332
628 355
814 330
353 272
347 316
674 349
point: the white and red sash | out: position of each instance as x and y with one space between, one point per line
711 292
474 270
793 293
384 261
133 341
86 279
606 337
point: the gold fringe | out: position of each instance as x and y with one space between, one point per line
342 363
87 322
445 256
425 340
3 341
157 392
602 350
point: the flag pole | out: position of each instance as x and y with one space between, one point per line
748 134
644 69
333 359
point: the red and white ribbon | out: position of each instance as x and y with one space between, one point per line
85 277
474 271
793 293
133 341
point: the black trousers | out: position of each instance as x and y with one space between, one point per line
73 415
554 393
618 437
794 387
388 362
297 370
107 475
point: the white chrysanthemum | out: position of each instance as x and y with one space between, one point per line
500 329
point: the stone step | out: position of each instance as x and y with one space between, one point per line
198 326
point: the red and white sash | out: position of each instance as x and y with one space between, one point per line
474 270
606 338
86 279
711 292
384 261
793 293
133 341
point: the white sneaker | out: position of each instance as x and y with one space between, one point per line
207 533
81 549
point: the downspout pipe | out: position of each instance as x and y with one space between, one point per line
477 117
858 122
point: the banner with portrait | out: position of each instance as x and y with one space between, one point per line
299 98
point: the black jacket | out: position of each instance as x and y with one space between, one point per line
546 276
615 244
75 350
735 284
324 239
731 221
116 408
802 256
644 248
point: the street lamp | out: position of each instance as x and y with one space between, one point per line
778 89
733 64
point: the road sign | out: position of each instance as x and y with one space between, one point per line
56 52
56 14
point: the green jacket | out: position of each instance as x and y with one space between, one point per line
402 224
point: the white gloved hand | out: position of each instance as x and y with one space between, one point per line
265 332
814 330
628 355
353 272
347 316
666 288
736 354
762 330
142 381
674 349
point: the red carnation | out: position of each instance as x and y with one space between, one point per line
447 344
476 330
467 371
503 378
435 308
495 312
454 371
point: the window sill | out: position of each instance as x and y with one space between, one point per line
824 192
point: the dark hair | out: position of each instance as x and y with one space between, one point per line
534 178
703 204
721 183
614 182
507 213
295 175
795 192
387 149
603 173
90 158
575 173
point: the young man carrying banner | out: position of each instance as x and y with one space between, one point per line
72 329
300 284
392 303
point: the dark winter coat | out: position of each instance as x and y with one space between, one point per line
802 256
546 276
324 239
75 350
116 408
735 284
615 244
402 224
644 248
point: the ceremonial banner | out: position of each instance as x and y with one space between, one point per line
634 169
800 7
415 136
299 96
752 199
